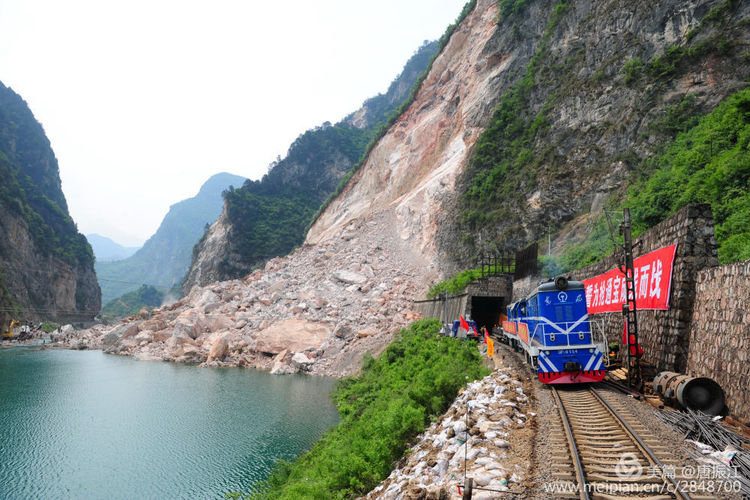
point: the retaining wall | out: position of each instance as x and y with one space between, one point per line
720 333
665 335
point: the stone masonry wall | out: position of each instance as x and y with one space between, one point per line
720 333
665 335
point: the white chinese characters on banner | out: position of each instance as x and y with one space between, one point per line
652 277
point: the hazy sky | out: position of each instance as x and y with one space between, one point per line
143 100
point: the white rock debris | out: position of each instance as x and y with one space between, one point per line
468 434
317 310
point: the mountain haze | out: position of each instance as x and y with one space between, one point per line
165 257
106 249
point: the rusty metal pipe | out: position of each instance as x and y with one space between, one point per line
695 393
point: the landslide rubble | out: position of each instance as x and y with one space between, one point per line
317 310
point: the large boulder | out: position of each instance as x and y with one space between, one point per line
292 334
349 277
218 350
301 362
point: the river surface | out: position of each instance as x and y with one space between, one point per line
80 424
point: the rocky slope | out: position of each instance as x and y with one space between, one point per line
586 93
402 205
416 165
488 430
46 266
386 245
318 310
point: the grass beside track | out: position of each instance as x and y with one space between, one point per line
382 410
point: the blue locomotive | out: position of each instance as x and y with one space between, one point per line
551 326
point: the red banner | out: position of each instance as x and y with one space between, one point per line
653 283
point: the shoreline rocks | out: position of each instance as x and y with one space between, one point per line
323 307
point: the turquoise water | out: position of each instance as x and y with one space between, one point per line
80 424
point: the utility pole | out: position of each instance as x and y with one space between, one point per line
635 377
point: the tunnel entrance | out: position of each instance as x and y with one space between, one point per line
486 311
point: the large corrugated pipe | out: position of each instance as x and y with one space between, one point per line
695 393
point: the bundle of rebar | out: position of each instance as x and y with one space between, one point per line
705 429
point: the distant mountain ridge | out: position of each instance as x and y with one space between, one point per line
165 257
46 265
106 249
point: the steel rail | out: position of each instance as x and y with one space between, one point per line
583 493
647 452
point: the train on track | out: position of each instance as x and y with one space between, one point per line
552 328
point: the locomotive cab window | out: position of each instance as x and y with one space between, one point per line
564 313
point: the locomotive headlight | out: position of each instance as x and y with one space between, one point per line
591 351
546 353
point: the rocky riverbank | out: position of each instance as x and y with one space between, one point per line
317 310
488 432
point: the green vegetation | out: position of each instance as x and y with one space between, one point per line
716 15
382 411
49 326
455 283
710 163
632 70
459 281
30 186
598 244
678 57
132 302
510 8
30 191
269 217
504 163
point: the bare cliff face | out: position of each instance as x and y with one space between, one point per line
44 286
212 249
417 164
601 87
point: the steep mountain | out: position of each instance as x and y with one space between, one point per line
542 117
267 218
165 257
106 249
46 265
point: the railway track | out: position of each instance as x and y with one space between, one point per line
604 453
